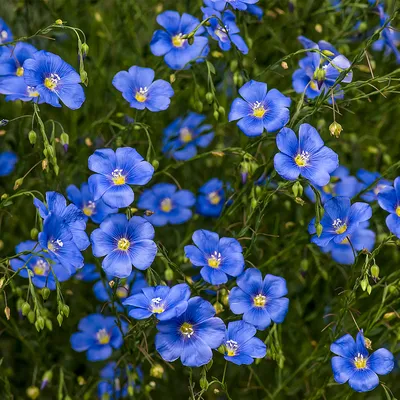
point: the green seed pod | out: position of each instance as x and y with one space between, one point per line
191 40
33 392
26 308
65 310
221 110
31 317
216 115
169 274
40 322
155 164
45 293
60 319
85 48
34 233
319 229
209 97
32 137
49 324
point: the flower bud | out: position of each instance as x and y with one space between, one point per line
31 317
335 129
221 110
375 271
168 274
46 378
65 310
64 138
49 324
60 319
18 183
209 97
7 311
59 22
216 115
45 164
190 40
219 308
34 233
172 78
319 229
157 371
32 137
26 307
85 48
33 392
155 164
45 293
84 77
40 322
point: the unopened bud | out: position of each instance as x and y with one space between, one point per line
31 317
368 343
7 311
219 308
375 271
191 40
60 319
18 183
216 115
46 378
157 371
34 233
45 293
319 229
33 392
335 129
49 324
172 78
59 22
85 48
65 310
155 164
26 307
147 213
221 110
209 97
284 65
168 274
32 137
45 164
64 138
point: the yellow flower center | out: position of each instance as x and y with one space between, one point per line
122 291
185 135
259 300
327 188
123 244
51 81
345 241
40 268
157 307
231 347
313 85
117 177
32 92
398 211
166 205
340 227
258 109
302 158
177 40
20 71
214 198
187 329
360 362
89 208
141 95
215 260
54 245
103 337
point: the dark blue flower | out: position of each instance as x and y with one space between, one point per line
97 211
70 215
342 253
124 243
8 159
40 270
115 171
98 336
368 179
163 302
260 109
389 200
13 57
177 52
211 198
341 184
5 33
306 156
141 92
191 336
88 273
236 4
129 286
340 220
57 239
241 347
217 257
54 80
226 34
353 363
167 204
260 301
182 137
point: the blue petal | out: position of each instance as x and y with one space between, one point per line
99 352
277 309
393 223
213 275
343 369
239 301
344 347
253 91
139 229
195 352
359 212
170 20
72 96
364 380
82 341
206 241
184 198
258 317
381 361
251 126
160 43
239 109
117 263
169 345
250 281
140 313
102 161
254 347
117 196
274 286
309 139
199 310
240 331
286 167
387 199
338 208
196 256
142 253
287 142
102 243
211 331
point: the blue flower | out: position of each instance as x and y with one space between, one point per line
236 4
36 265
211 198
163 302
88 273
217 257
255 10
115 171
133 284
167 204
389 200
226 34
57 239
241 347
368 179
70 215
54 80
124 243
15 88
342 253
8 159
340 220
306 156
260 301
5 33
182 137
141 92
191 336
353 363
98 336
176 50
260 109
97 211
341 184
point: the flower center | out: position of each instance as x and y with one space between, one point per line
231 347
258 109
102 336
41 268
141 95
89 208
214 198
185 135
20 71
302 158
157 307
123 244
117 177
260 300
177 40
319 74
54 245
166 205
340 227
215 260
51 81
187 330
122 291
221 33
3 36
32 92
360 362
398 211
313 85
327 188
